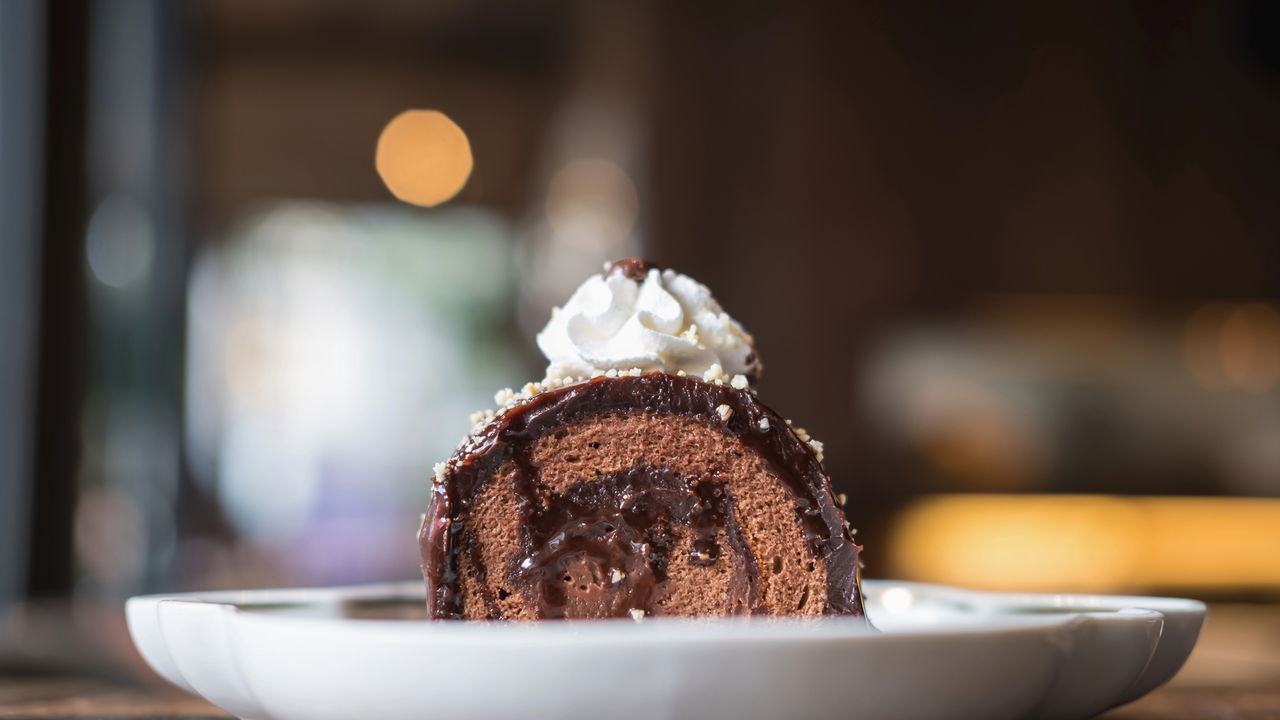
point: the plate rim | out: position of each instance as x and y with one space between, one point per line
994 611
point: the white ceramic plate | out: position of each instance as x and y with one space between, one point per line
938 653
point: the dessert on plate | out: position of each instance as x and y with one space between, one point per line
641 477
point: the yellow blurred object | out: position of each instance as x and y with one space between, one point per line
1089 543
423 157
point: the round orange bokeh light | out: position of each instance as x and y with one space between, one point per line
423 157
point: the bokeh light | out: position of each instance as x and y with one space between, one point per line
120 241
423 157
1233 346
592 204
1251 347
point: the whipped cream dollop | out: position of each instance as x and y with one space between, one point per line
634 315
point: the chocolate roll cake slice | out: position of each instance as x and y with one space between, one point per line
630 496
637 493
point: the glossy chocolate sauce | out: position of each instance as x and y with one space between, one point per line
614 538
625 522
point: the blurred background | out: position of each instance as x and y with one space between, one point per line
1017 265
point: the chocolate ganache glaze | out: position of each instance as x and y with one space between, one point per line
603 547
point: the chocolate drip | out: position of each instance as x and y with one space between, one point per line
633 268
508 437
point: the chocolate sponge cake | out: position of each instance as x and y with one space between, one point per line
637 493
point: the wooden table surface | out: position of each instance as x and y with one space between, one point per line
1234 674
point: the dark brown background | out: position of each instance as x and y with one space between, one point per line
835 171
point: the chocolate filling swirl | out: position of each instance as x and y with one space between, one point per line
604 547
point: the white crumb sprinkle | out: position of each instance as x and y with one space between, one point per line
725 412
788 422
611 373
763 424
504 396
691 333
616 575
531 389
635 372
439 470
739 381
681 373
597 373
637 614
716 375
